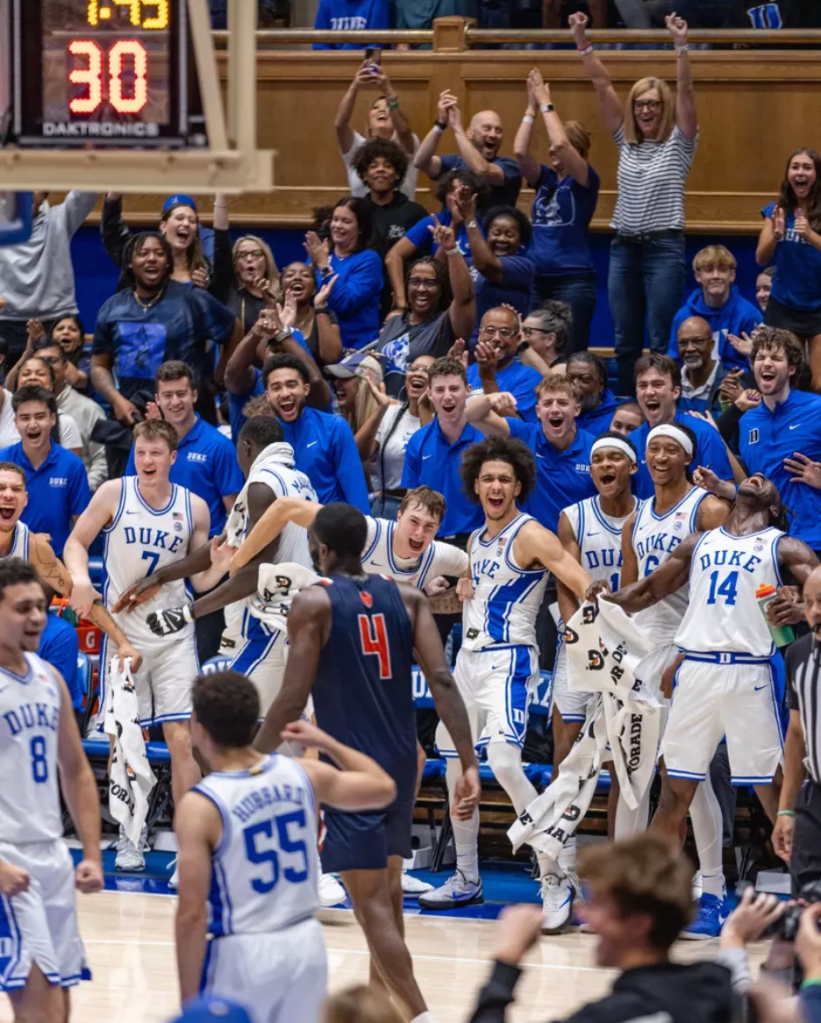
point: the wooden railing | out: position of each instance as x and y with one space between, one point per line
755 106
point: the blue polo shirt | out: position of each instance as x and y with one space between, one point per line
766 438
710 451
60 646
57 491
207 466
325 450
432 461
521 381
562 477
237 403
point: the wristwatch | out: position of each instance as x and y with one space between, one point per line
470 225
440 125
546 108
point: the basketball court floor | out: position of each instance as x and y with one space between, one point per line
129 939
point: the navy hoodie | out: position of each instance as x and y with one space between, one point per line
598 419
736 316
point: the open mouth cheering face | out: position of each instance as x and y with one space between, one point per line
13 498
772 370
497 488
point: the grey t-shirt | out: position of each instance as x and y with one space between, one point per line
400 343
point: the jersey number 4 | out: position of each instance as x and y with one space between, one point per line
374 637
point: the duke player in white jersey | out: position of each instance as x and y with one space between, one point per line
248 875
147 523
41 953
497 667
724 686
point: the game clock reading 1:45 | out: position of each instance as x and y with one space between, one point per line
103 72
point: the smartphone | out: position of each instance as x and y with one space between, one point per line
373 55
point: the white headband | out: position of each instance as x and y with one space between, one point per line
674 433
614 442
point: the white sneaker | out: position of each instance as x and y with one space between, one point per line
557 900
413 885
456 891
129 857
331 892
576 885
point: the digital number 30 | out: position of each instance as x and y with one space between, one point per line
92 76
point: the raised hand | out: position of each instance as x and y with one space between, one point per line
487 355
322 296
318 251
200 277
730 386
364 75
802 225
443 235
152 410
446 101
804 470
743 345
537 87
465 201
378 391
517 929
779 223
677 27
503 403
457 352
268 291
268 324
303 733
455 117
747 400
577 23
35 331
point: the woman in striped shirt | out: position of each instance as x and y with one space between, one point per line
657 139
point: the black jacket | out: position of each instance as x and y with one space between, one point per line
668 993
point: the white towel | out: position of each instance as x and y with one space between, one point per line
130 776
604 647
274 454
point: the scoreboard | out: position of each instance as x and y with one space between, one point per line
103 73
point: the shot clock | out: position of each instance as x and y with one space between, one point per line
103 73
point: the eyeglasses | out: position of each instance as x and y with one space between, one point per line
253 254
503 332
647 104
424 282
528 331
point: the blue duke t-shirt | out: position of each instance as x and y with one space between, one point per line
562 211
797 279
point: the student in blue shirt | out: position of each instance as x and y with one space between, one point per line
497 367
434 453
206 461
658 386
357 269
791 238
503 269
55 478
781 437
478 147
324 446
349 15
151 321
420 239
567 192
719 302
562 450
597 402
60 646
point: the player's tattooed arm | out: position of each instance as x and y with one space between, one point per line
309 622
271 523
666 579
568 601
52 571
629 561
796 556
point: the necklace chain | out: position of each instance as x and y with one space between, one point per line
154 300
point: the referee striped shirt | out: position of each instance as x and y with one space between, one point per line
651 181
803 662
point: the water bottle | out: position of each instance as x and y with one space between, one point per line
782 635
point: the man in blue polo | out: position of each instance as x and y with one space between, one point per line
56 478
658 386
781 438
562 450
324 446
206 462
497 366
434 453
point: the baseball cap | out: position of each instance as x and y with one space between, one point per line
179 200
355 365
212 1010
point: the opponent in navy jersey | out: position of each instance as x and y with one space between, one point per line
351 639
40 754
497 666
724 686
246 837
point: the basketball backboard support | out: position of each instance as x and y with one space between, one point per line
230 163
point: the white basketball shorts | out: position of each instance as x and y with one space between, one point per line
260 652
715 700
40 925
496 685
281 977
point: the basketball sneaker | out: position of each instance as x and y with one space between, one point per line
712 912
557 901
331 892
413 885
129 857
456 891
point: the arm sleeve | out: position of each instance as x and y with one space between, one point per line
114 230
349 471
227 473
361 284
411 468
79 493
517 273
450 161
448 560
497 994
223 277
77 207
419 234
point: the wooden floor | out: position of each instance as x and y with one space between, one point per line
129 941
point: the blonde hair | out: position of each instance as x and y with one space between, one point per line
366 405
715 255
578 136
271 268
360 1004
556 382
667 121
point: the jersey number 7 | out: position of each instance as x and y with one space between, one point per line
374 638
